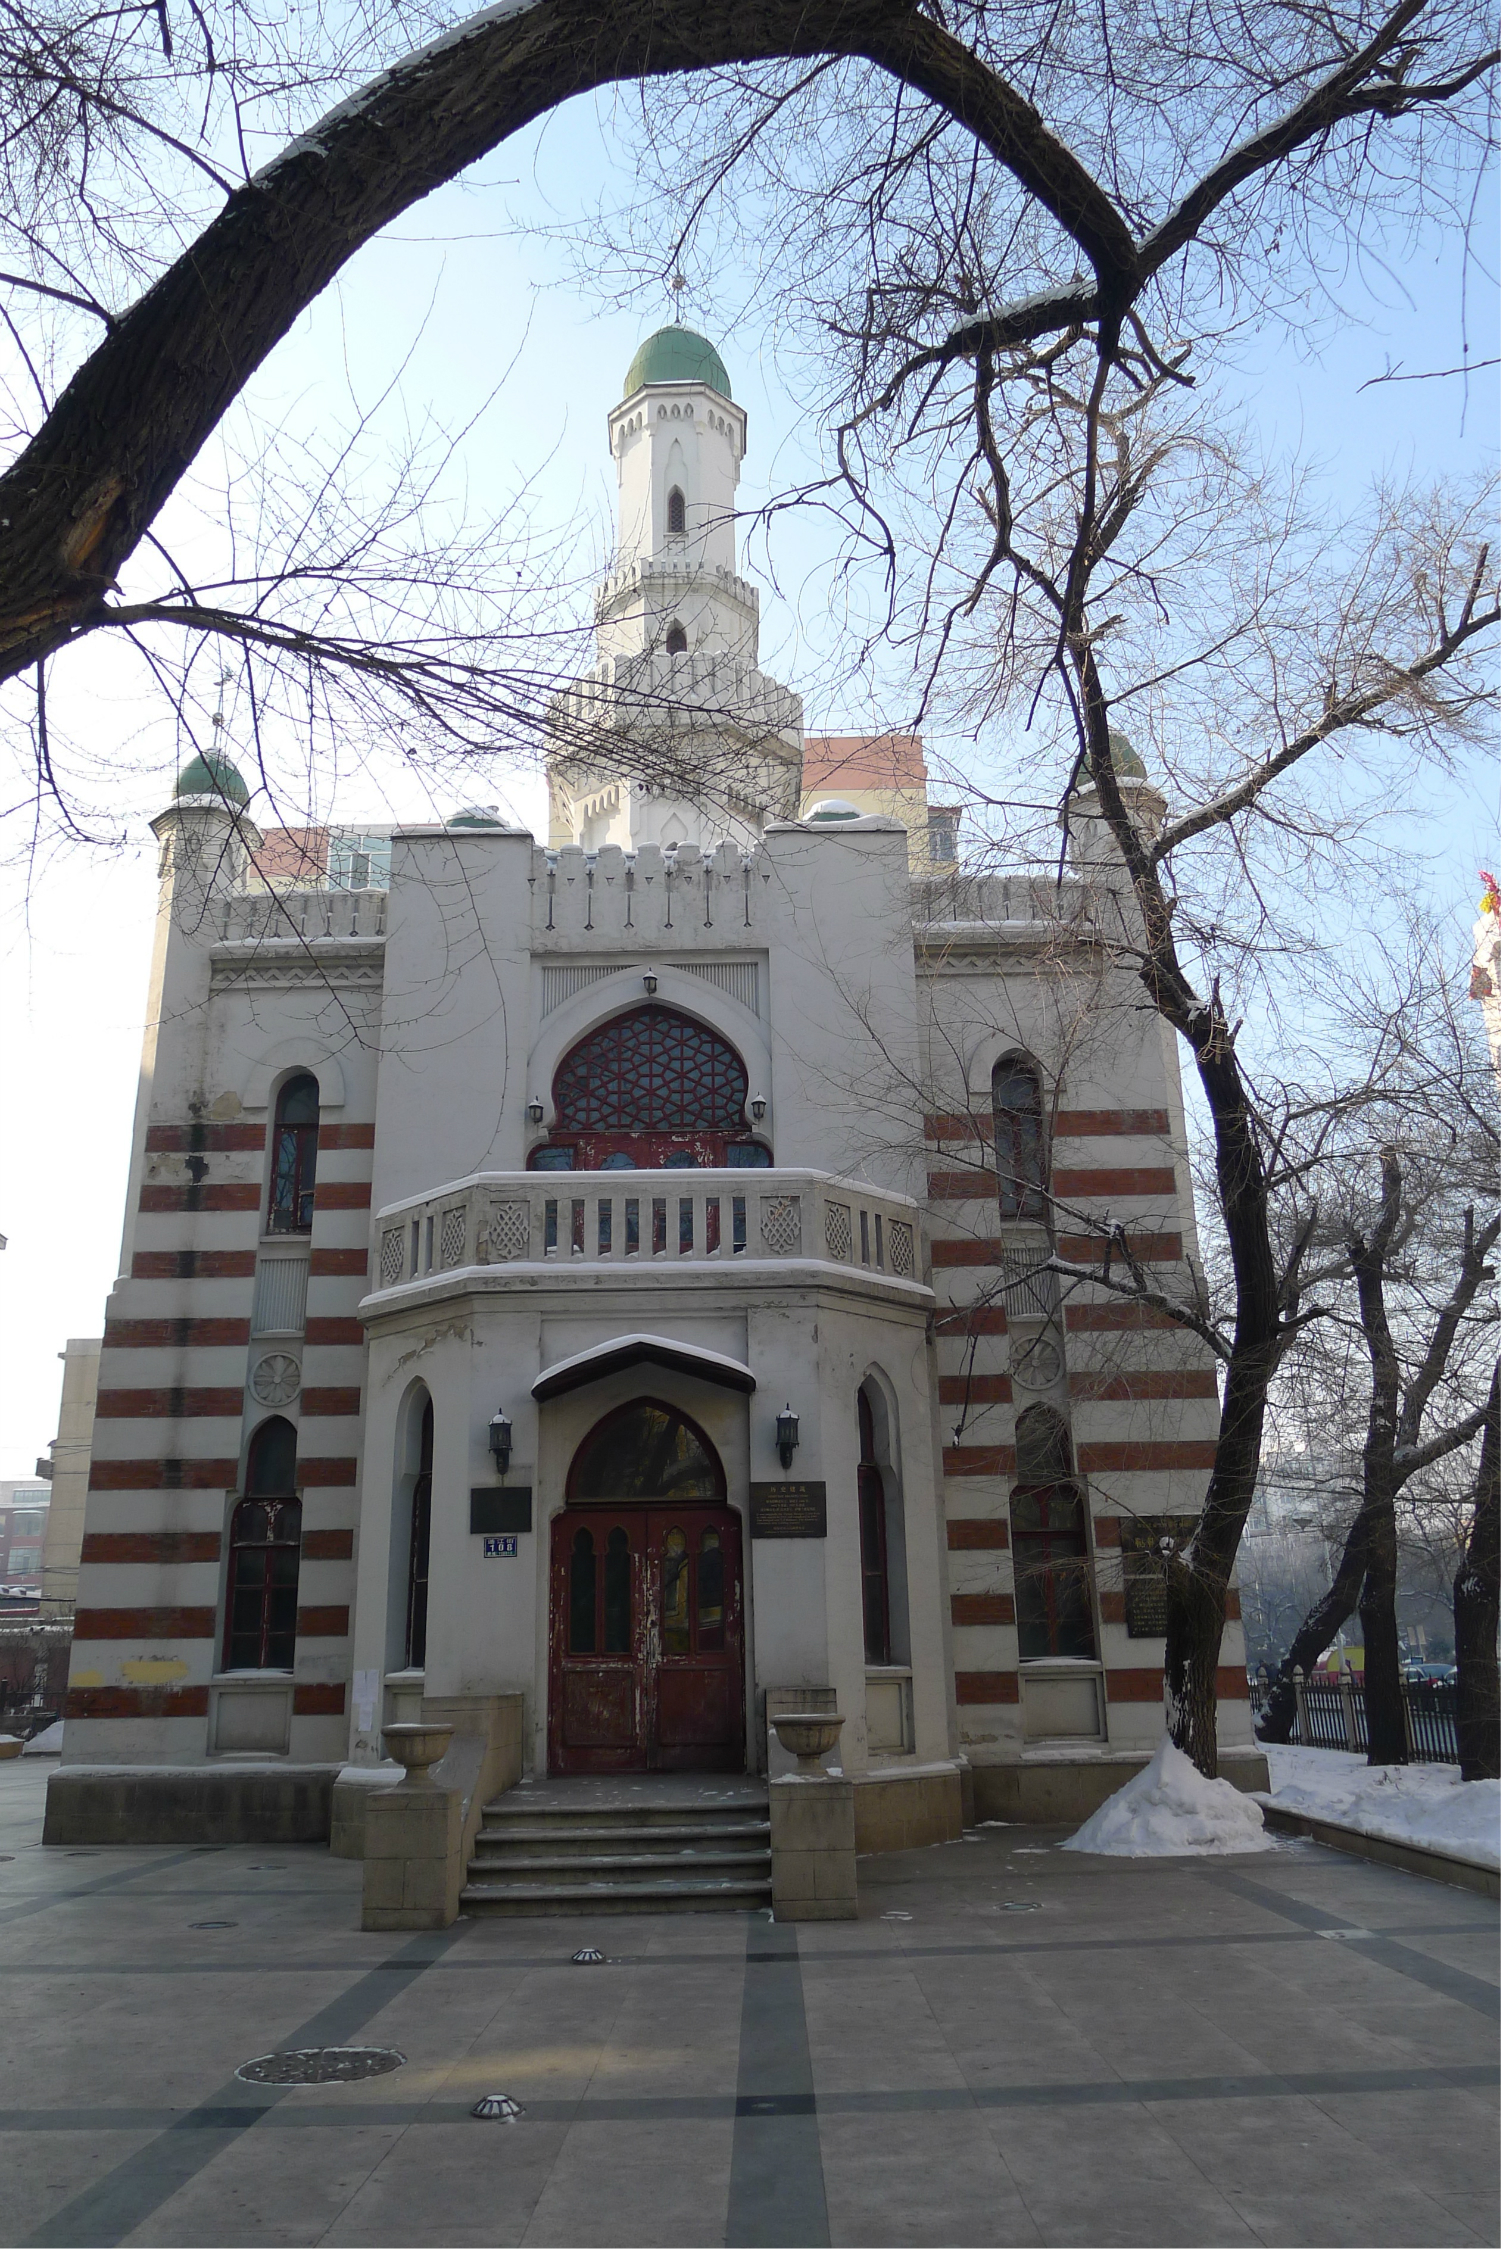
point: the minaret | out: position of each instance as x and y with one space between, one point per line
674 736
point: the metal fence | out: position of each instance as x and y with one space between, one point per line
1331 1714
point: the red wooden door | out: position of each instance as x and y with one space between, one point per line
646 1670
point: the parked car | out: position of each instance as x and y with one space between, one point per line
1429 1674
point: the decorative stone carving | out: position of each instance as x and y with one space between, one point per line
393 1256
837 1232
782 1224
276 1379
899 1247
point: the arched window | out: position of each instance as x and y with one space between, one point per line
265 1548
646 1450
294 1157
677 640
874 1585
422 1519
1020 1157
652 1089
677 510
1050 1548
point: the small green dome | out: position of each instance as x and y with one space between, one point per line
677 355
476 816
211 774
831 809
1124 757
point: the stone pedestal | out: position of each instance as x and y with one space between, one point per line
414 1862
813 1849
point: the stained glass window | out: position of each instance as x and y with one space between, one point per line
265 1551
645 1451
1020 1156
652 1070
294 1162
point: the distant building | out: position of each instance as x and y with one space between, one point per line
23 1527
71 1450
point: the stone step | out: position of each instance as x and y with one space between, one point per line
506 1809
550 1867
668 1896
534 1835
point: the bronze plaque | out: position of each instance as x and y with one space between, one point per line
789 1510
499 1507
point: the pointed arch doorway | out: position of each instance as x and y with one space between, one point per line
646 1664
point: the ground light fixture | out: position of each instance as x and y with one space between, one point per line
786 1435
500 1440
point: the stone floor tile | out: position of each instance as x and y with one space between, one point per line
626 2185
920 2179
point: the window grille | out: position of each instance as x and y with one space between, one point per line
651 1070
837 1232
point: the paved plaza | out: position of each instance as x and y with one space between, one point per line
1012 2044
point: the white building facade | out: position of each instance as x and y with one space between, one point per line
614 1272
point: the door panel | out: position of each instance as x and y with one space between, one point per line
646 1641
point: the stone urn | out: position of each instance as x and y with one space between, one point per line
810 1735
417 1747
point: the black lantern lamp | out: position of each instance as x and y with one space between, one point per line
649 979
534 1110
786 1435
500 1440
758 1106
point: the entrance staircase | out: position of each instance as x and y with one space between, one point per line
596 1847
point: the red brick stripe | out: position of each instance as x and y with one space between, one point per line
318 1701
1129 1458
174 1335
193 1265
342 1194
986 1686
972 1534
1145 1685
136 1702
330 1402
979 1460
1148 1249
1169 1382
328 1546
979 1319
202 1195
329 1623
977 1389
316 1473
160 1547
346 1136
983 1608
1150 1179
1069 1124
335 1331
207 1139
144 1624
170 1475
338 1264
961 1186
1107 1319
169 1405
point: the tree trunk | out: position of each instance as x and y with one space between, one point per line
1316 1633
1195 1627
1477 1608
1386 1730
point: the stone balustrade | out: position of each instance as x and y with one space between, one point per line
256 917
636 1219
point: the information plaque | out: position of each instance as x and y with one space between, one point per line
499 1507
789 1510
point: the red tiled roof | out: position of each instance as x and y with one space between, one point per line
289 855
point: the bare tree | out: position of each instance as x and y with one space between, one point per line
1477 1605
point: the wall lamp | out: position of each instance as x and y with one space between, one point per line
786 1435
500 1440
649 979
535 1110
758 1106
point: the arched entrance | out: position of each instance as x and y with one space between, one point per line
646 1635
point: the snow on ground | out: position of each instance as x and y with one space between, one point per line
48 1743
1424 1804
1170 1811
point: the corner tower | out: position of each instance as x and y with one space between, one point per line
674 735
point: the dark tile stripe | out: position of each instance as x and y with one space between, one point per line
126 2197
776 2163
1450 1983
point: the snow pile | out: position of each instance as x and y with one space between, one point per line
48 1743
1423 1804
1169 1811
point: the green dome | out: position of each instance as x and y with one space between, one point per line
476 816
832 808
1124 757
677 355
211 774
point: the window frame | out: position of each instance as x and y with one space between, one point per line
284 1525
1022 1168
291 1212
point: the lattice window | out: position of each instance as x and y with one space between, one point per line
836 1231
899 1247
451 1235
782 1224
392 1256
510 1231
1029 1289
652 1070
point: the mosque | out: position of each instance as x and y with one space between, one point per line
616 1273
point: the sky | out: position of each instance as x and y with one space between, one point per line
462 293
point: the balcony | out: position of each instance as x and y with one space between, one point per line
665 1220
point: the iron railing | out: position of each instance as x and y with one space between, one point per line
1332 1714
